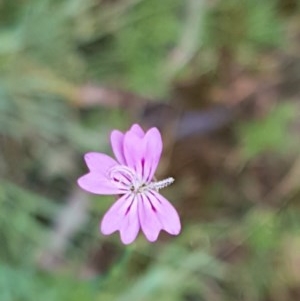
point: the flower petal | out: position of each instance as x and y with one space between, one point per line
97 183
122 216
153 150
130 225
99 163
149 221
143 154
113 217
117 139
137 130
134 150
165 212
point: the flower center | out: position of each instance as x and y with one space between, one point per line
125 178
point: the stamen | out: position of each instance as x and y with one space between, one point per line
124 176
121 169
161 184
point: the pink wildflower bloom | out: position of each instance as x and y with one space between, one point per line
131 176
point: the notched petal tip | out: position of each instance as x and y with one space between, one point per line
116 135
105 228
122 217
95 183
153 150
150 223
117 141
127 241
151 237
174 231
135 128
90 155
124 239
99 162
83 182
166 213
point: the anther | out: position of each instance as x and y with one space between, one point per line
161 184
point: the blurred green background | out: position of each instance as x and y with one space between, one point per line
219 78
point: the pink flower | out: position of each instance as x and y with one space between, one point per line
131 176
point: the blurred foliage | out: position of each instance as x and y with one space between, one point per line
270 133
258 25
247 249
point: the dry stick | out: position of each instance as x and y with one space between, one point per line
190 39
69 221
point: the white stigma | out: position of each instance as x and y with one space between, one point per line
161 184
127 179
